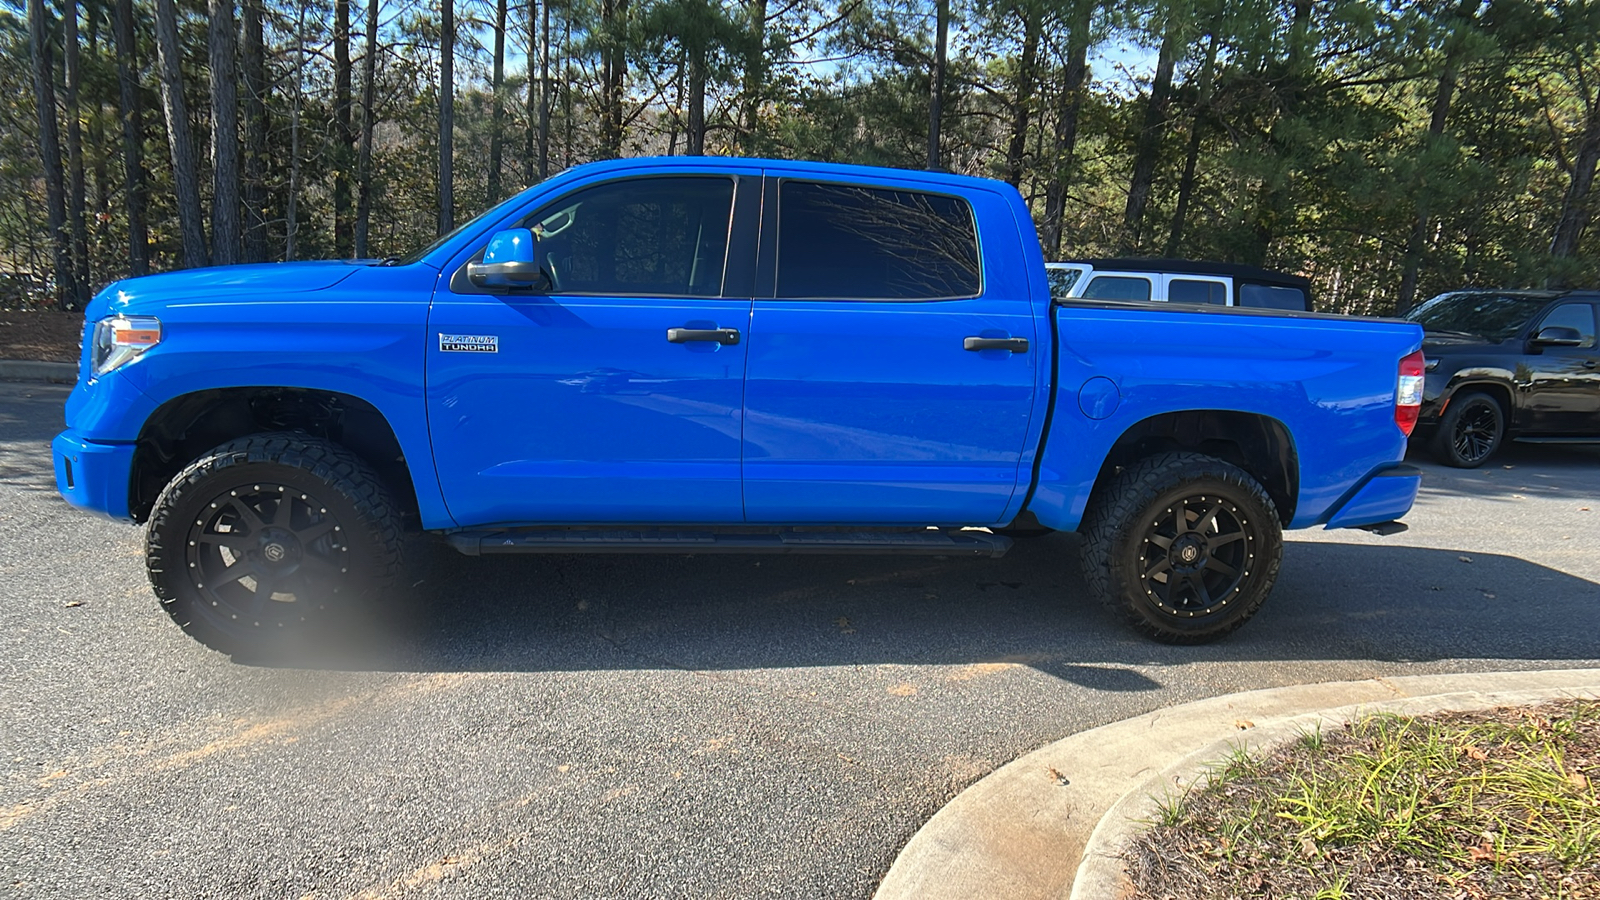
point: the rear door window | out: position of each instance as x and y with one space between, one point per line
848 242
1117 287
1195 290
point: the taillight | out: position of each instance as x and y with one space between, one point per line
1408 392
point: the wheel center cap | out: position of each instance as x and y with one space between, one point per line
279 547
1189 553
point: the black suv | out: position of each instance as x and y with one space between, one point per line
1508 364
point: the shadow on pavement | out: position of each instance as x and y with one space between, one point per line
1529 470
719 613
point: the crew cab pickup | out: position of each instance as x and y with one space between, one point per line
696 355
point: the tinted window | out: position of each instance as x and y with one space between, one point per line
1494 317
1573 315
1270 296
1183 290
1117 287
847 242
1061 282
644 236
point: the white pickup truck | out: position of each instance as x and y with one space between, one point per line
1178 281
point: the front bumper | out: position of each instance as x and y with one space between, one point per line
1386 496
92 475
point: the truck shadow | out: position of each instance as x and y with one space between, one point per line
718 613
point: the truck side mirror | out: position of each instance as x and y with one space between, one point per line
1557 336
510 260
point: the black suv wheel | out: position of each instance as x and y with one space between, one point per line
270 542
1470 431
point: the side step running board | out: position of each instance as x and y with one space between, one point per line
583 540
1557 440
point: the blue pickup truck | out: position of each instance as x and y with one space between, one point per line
698 355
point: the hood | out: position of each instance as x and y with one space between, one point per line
150 293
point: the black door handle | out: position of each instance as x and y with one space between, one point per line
724 336
1015 345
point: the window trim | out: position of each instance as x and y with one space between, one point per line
459 283
777 239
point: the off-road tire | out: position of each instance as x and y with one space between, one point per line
222 512
1137 506
1471 431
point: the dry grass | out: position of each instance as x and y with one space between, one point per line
1499 804
40 335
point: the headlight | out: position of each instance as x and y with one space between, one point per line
120 340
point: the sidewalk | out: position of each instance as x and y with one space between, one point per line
33 370
1052 823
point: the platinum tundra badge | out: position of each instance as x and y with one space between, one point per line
469 343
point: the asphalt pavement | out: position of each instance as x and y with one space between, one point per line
670 726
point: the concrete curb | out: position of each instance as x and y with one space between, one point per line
1050 824
36 370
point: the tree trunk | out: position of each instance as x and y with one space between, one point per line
497 80
369 119
75 192
566 88
1149 143
530 160
936 82
132 141
1032 19
755 75
224 136
1192 155
695 135
254 81
1575 207
1066 137
291 207
613 15
185 180
447 117
544 96
1274 198
343 132
1444 95
44 98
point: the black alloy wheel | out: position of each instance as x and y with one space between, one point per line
267 554
1470 432
1196 556
274 542
1184 547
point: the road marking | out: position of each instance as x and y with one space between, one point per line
66 784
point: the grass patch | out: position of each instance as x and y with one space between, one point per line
1501 804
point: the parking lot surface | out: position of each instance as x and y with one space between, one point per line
615 726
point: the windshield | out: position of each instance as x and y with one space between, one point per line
1493 317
